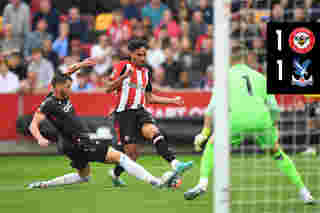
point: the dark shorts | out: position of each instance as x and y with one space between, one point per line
128 124
80 156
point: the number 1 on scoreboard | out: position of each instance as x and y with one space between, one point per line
279 39
280 66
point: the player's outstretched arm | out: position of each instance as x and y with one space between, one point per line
116 82
88 62
154 99
34 129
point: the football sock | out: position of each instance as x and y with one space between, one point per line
136 170
118 170
162 148
67 179
288 168
206 164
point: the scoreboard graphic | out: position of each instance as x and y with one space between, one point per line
293 60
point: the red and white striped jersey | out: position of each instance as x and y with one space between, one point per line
131 94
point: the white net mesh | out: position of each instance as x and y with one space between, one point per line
258 184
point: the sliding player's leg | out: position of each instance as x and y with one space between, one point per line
81 176
134 169
132 152
269 140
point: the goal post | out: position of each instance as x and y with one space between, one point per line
221 42
249 178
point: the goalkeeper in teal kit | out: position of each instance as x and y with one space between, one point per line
252 111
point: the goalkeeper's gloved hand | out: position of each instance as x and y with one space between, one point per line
198 141
201 138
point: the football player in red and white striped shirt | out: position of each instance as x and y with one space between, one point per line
131 82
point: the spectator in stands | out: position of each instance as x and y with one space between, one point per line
202 38
155 55
61 44
277 12
49 54
17 66
183 11
119 29
163 34
170 24
40 69
258 46
197 26
314 10
124 52
17 13
289 7
9 43
103 53
206 10
158 76
175 48
186 56
208 80
192 4
9 82
130 9
252 61
154 10
147 26
138 32
185 29
206 55
76 50
299 15
50 14
247 31
83 84
172 69
78 28
35 39
262 28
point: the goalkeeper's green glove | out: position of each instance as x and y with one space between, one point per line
201 138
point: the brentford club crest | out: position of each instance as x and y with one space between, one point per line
302 40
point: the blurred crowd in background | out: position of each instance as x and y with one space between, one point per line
38 39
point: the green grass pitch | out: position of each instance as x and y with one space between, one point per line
257 187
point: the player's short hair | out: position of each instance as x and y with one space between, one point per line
136 44
60 79
239 52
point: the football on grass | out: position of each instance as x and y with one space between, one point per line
175 183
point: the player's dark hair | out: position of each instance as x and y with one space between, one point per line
136 44
239 52
60 79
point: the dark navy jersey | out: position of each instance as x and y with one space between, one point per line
62 115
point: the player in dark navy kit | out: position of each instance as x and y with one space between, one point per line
74 139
